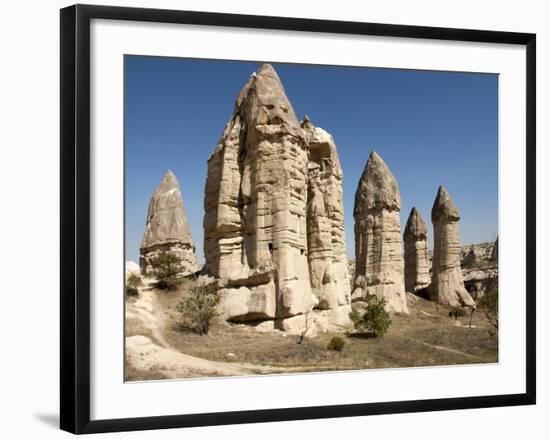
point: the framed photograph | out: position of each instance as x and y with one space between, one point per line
268 219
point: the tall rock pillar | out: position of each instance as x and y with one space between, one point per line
447 285
255 206
417 263
379 268
166 229
326 243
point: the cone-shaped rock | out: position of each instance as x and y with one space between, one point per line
328 265
255 207
417 262
378 249
447 285
167 228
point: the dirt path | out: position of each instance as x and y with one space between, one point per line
152 352
453 351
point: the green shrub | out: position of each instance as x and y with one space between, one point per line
166 267
197 307
336 344
132 284
374 320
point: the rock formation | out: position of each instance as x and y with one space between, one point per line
379 267
166 229
447 285
474 257
480 268
417 264
326 244
258 220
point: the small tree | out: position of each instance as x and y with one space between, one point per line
197 307
132 284
374 319
489 303
166 267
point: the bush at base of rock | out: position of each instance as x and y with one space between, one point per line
197 307
374 320
166 267
132 284
336 344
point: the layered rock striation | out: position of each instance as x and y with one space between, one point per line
417 261
166 229
447 285
326 244
261 241
379 265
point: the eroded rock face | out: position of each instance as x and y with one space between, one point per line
167 228
417 263
379 266
326 244
273 221
256 195
447 285
480 268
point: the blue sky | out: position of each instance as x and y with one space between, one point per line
431 128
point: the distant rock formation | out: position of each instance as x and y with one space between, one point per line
379 262
166 229
475 256
480 268
417 263
447 285
326 242
257 212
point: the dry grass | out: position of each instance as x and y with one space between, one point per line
427 337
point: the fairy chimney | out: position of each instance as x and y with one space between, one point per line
266 179
378 248
326 244
166 229
417 263
255 206
447 285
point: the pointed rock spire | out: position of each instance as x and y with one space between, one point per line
255 206
444 206
416 227
378 248
417 264
166 228
447 285
378 188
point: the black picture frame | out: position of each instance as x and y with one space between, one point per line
75 218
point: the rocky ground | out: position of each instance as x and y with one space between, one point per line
157 347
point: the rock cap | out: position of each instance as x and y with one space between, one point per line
378 188
416 227
166 216
444 207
